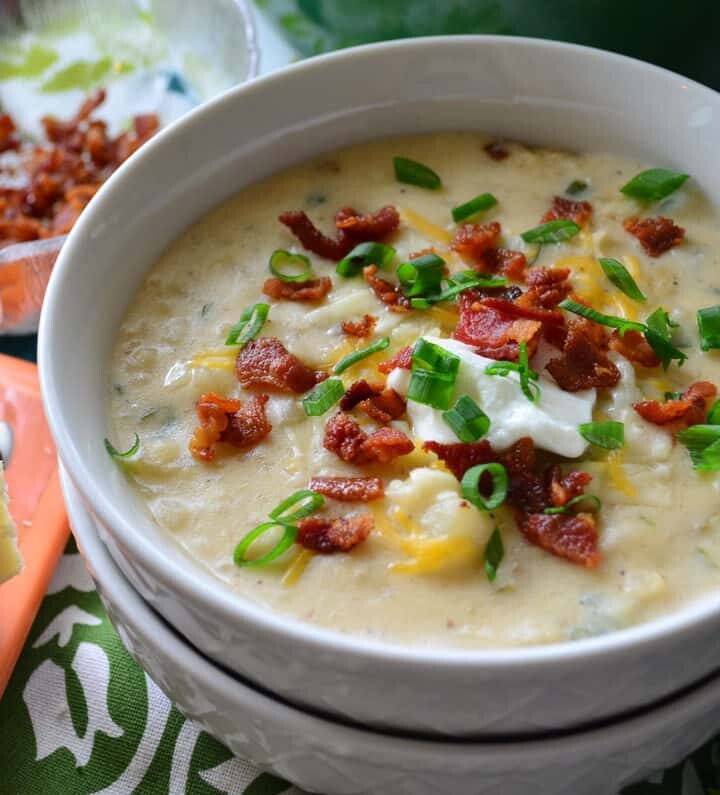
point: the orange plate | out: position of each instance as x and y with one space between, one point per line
36 505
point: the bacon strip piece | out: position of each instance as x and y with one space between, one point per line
267 362
242 425
310 290
563 209
402 360
461 456
583 364
512 264
473 241
570 536
656 235
345 438
359 328
327 536
676 415
547 287
352 228
349 489
380 404
8 139
635 347
387 292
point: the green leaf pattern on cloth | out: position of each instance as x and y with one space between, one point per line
67 724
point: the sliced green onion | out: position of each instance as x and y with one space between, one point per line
597 505
713 416
598 317
429 356
477 205
434 371
309 502
661 323
363 353
703 444
288 539
470 486
251 321
365 254
464 280
522 367
551 232
653 184
323 396
494 553
609 435
290 267
129 453
658 333
678 396
621 278
414 173
468 421
575 187
708 320
421 276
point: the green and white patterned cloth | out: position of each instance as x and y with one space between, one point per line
79 717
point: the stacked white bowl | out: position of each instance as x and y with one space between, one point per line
485 717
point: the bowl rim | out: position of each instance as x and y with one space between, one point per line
216 595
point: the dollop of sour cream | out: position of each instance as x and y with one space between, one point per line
552 422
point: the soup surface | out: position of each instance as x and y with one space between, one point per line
418 557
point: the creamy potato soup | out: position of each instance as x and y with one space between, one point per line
437 390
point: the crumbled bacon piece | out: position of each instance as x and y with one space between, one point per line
242 425
348 489
496 150
583 363
357 392
387 292
570 536
547 287
563 488
633 346
402 360
380 404
472 241
340 534
310 290
563 209
267 362
8 139
352 228
656 235
359 328
345 438
461 456
676 415
512 264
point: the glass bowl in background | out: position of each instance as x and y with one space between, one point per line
151 56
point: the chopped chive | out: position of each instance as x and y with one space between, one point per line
470 486
551 232
598 317
251 321
434 371
464 280
421 276
467 420
658 335
597 505
309 502
413 173
494 553
352 358
675 396
713 416
365 254
129 453
609 435
576 186
469 208
288 539
708 320
621 278
653 184
703 444
290 267
526 375
323 396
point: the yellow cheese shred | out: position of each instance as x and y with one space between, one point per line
216 359
425 227
591 284
616 471
297 568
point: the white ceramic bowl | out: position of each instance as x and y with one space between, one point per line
536 91
323 756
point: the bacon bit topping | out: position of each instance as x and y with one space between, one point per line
547 287
387 292
573 537
563 209
380 404
496 150
472 241
635 347
402 360
345 438
461 456
242 425
359 328
357 392
657 235
8 139
310 290
510 263
583 363
563 488
341 534
352 228
676 415
267 362
348 489
495 327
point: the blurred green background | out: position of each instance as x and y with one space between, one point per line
682 36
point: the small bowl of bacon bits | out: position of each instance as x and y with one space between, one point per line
128 69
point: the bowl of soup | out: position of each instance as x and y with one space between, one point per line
397 397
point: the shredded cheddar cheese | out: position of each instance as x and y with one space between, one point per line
425 227
297 568
216 359
616 471
592 285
